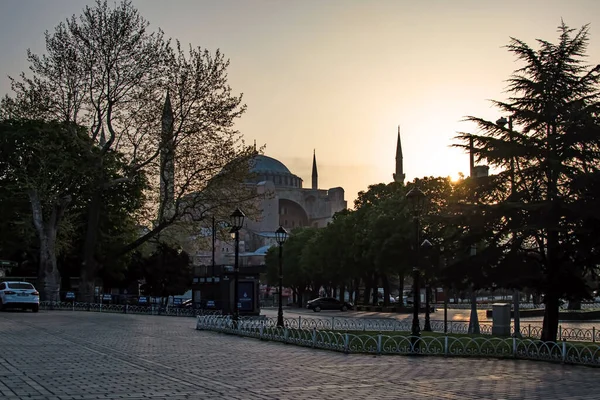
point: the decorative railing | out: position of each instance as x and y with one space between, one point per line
399 343
394 325
523 306
127 309
332 324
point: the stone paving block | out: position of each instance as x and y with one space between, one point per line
62 355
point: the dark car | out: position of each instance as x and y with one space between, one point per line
328 303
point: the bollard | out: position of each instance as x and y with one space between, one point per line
514 346
446 345
346 343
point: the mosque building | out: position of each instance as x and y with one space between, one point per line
285 203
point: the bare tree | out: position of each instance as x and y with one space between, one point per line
107 71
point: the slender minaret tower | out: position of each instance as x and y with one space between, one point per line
399 175
167 161
315 176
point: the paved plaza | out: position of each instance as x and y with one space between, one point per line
81 355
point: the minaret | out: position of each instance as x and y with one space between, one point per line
399 175
315 176
167 161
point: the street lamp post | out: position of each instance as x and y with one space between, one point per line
416 202
426 245
237 222
280 235
516 295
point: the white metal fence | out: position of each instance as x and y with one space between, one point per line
153 309
316 334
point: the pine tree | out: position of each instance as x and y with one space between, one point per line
532 210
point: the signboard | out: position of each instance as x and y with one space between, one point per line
217 279
210 303
70 295
143 300
246 296
209 279
106 297
177 301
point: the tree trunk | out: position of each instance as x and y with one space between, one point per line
375 289
367 292
401 286
49 277
550 325
341 292
386 289
89 268
48 274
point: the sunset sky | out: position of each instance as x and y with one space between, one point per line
339 76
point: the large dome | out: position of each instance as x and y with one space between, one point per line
264 164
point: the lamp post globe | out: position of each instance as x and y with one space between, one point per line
237 222
416 203
501 122
281 236
237 219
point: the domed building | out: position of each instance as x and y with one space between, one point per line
290 204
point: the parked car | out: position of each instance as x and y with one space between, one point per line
328 303
19 295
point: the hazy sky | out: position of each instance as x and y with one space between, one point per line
340 76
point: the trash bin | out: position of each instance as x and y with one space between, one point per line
501 319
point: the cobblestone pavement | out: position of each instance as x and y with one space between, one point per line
78 355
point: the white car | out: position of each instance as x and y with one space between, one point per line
19 295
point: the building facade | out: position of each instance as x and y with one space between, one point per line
283 201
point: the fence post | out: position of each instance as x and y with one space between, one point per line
299 321
514 346
100 306
332 323
346 343
593 334
560 332
564 350
262 327
285 334
446 345
379 343
529 330
314 337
